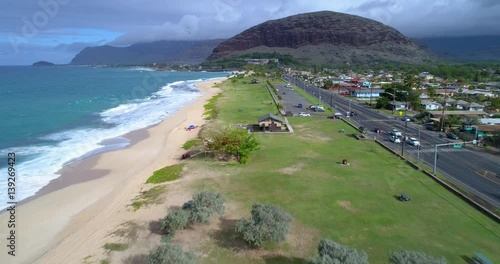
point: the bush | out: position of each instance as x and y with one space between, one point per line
175 220
171 253
165 174
333 252
267 223
412 257
205 205
230 143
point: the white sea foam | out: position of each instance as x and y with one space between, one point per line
141 69
75 144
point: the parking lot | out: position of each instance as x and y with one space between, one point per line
291 99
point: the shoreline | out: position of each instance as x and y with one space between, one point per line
79 206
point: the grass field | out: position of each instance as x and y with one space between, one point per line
355 204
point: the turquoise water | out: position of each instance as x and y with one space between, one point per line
55 115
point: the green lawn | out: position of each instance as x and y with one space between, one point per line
352 204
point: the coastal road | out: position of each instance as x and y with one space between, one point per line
476 171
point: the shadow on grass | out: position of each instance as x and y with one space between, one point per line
276 259
136 259
226 236
155 227
467 259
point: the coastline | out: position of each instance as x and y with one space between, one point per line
66 218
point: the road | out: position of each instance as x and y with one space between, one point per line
475 171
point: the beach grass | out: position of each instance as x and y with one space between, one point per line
190 143
115 247
355 205
104 261
169 173
127 230
210 110
149 197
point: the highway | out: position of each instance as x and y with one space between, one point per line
476 171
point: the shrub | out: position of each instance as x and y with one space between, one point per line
205 205
230 143
412 257
267 223
332 252
171 253
165 174
175 220
115 246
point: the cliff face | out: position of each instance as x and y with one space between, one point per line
169 52
321 34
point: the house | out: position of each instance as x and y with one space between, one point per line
449 102
490 121
367 93
430 105
270 122
366 84
396 105
460 104
474 107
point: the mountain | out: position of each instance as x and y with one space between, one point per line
43 63
325 38
162 52
465 49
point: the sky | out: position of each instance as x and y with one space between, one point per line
56 30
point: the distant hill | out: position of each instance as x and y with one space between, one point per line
43 63
465 49
168 52
325 38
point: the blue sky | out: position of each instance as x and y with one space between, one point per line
56 30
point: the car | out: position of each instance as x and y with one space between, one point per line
319 109
378 130
395 139
405 118
396 133
300 106
431 127
288 85
353 113
451 135
413 142
304 114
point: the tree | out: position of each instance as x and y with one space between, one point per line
494 104
411 257
175 220
476 77
171 253
328 84
267 223
230 143
431 92
331 252
205 205
382 102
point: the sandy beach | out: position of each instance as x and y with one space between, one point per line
70 219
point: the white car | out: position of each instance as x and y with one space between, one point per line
304 114
396 133
394 139
413 142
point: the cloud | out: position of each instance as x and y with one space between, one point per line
70 23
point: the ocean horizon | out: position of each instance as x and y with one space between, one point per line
53 116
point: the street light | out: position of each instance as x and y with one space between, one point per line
404 140
350 100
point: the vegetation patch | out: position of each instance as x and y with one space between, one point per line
115 246
230 143
333 252
127 230
149 197
210 107
190 143
166 174
171 253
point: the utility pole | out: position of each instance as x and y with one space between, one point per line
444 107
394 100
350 100
419 146
404 140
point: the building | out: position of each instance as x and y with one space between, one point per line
270 122
396 105
430 105
367 93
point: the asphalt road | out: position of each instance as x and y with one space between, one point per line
474 170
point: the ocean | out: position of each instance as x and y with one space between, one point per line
52 116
